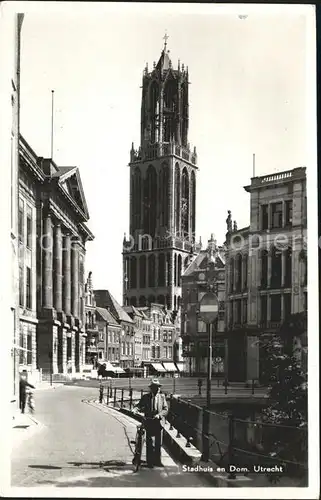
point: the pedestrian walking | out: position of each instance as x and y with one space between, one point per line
155 408
23 384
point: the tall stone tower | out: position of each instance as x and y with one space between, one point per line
162 191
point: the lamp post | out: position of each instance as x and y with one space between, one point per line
208 311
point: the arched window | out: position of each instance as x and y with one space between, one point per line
193 215
133 272
142 271
150 195
154 109
177 197
245 269
133 301
164 195
136 198
161 299
184 132
238 271
179 270
161 270
170 106
142 301
168 269
175 270
151 270
185 203
151 299
231 274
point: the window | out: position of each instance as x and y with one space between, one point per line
101 336
170 337
238 311
123 348
264 217
288 268
276 215
288 212
231 275
245 272
21 286
29 227
276 271
264 269
165 352
153 351
20 220
244 311
158 351
170 352
165 337
275 307
263 309
21 357
287 305
29 347
28 289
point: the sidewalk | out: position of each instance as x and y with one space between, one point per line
171 475
24 425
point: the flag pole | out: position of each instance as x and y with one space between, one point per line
52 120
253 164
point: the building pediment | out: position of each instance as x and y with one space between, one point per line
70 182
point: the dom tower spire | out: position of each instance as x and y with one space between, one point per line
162 190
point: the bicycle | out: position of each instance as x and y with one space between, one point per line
139 442
31 402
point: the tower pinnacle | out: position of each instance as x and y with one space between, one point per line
165 37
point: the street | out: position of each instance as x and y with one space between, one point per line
78 445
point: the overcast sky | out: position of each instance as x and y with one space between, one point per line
247 95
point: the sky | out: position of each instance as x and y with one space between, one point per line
248 94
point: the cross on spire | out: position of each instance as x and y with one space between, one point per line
165 37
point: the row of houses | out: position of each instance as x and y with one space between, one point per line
260 277
130 338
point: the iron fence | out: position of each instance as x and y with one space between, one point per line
230 440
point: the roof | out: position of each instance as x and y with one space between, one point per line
201 262
116 309
106 315
133 310
164 61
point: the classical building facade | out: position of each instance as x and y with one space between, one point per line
162 191
104 299
266 269
13 157
53 234
204 271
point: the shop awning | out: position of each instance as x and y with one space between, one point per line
158 367
170 367
118 369
180 367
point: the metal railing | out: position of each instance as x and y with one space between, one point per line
230 440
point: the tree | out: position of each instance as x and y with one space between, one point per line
285 432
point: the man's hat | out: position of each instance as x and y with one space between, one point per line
154 381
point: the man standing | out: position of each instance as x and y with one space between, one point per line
23 384
155 408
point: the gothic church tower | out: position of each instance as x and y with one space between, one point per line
162 191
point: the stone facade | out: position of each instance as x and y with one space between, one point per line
161 334
207 269
266 268
52 217
126 335
162 192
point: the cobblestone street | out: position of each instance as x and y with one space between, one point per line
78 445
